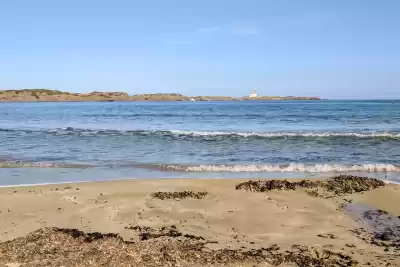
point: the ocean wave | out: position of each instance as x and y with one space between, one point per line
279 117
291 134
22 164
208 134
293 167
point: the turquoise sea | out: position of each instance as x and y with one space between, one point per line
65 142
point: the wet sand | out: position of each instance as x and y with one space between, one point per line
224 217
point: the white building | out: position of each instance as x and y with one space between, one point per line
253 93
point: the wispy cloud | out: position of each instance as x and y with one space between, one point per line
191 37
245 30
205 32
178 41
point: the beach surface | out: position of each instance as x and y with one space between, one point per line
210 211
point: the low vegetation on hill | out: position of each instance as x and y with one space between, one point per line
159 97
47 95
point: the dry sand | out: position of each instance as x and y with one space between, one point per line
226 218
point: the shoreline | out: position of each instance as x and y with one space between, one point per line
159 101
211 212
314 177
47 95
157 179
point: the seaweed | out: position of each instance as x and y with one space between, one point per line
338 185
71 247
179 195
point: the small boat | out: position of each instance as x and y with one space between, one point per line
253 94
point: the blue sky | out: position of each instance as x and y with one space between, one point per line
329 48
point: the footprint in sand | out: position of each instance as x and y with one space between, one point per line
70 199
12 264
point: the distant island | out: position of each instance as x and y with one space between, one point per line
46 95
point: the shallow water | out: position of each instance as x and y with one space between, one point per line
61 142
377 222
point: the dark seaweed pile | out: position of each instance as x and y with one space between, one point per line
145 233
70 247
179 195
348 184
268 185
338 185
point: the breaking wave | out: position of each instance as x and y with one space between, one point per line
207 134
293 167
291 134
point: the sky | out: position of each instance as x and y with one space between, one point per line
329 48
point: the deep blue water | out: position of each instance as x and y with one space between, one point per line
61 142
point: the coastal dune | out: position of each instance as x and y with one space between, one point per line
194 222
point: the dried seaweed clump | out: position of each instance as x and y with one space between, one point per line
388 238
348 184
179 195
268 185
64 247
338 185
304 256
146 233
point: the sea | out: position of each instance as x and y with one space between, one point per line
43 143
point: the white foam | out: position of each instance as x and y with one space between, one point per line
66 183
90 132
291 134
293 167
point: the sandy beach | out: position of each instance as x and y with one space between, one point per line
212 212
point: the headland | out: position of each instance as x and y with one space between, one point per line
47 95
